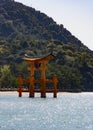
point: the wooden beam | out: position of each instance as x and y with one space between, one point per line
20 82
43 81
31 87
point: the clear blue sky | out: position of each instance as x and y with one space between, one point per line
75 15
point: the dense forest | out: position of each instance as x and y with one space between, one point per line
25 31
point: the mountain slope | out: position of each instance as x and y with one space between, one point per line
23 30
17 19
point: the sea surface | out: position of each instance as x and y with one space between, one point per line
69 111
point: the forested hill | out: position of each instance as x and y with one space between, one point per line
23 30
17 20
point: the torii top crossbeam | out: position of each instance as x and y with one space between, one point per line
46 58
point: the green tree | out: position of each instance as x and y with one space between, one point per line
5 75
71 79
6 78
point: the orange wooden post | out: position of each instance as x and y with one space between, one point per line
31 87
55 81
20 86
43 81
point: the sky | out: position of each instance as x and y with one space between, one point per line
75 15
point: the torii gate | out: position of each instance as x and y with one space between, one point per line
38 64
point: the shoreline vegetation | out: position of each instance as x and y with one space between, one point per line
59 89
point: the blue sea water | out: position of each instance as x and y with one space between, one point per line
69 111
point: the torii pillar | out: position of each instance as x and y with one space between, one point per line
43 81
31 87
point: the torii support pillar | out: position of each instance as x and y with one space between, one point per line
20 86
55 81
43 82
31 87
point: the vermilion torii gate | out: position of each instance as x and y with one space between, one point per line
38 64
